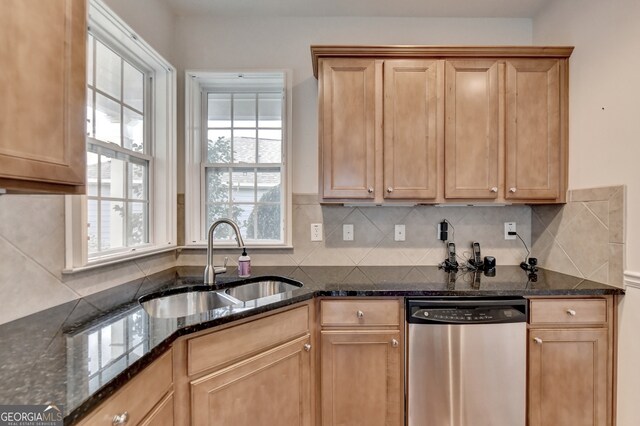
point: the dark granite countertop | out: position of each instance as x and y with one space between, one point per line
81 352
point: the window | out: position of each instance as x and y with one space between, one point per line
239 157
130 204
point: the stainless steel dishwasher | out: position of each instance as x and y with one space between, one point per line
466 362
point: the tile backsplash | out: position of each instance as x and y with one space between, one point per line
584 237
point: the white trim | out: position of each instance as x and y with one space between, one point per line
632 279
119 258
195 84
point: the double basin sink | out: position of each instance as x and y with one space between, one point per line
186 301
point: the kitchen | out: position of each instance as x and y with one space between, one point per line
190 40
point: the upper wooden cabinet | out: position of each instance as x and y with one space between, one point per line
443 124
42 133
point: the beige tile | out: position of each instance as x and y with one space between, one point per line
557 217
382 256
271 258
433 257
27 287
333 217
585 242
616 217
385 218
156 263
302 199
601 210
327 257
303 217
103 278
616 265
601 274
592 194
421 228
34 224
554 258
366 237
540 237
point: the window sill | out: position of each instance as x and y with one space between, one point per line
119 258
232 246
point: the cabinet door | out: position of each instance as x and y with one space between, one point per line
361 378
568 377
42 133
471 129
162 415
533 131
347 127
273 388
411 113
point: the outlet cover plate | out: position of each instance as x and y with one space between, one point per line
347 232
509 227
316 232
400 234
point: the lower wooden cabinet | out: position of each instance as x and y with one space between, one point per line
570 379
162 414
361 378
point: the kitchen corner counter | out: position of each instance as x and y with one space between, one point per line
79 353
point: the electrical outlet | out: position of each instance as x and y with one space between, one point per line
347 232
400 233
509 227
316 232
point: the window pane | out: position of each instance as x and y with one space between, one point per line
133 87
270 146
270 110
111 225
92 174
137 229
108 70
133 130
217 185
243 185
246 220
92 228
244 146
244 110
89 112
269 222
219 110
269 186
137 177
112 175
217 211
107 119
219 146
90 60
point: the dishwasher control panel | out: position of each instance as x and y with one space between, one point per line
466 312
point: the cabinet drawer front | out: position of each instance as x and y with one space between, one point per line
221 347
568 311
360 312
138 397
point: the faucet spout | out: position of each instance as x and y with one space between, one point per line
210 270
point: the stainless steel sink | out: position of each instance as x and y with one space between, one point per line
187 303
260 289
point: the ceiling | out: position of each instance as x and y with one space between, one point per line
369 8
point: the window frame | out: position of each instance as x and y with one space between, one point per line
161 146
197 86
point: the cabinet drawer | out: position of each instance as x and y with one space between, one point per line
231 344
568 311
360 312
138 397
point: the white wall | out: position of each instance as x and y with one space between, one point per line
233 43
151 19
604 130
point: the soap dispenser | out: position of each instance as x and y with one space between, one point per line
244 265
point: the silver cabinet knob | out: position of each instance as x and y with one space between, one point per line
120 419
307 347
370 190
537 340
494 189
360 314
389 190
512 190
571 312
394 343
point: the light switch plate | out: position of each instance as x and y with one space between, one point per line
400 234
316 232
509 227
347 232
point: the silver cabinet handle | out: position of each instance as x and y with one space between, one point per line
494 189
120 419
512 190
389 190
571 312
307 347
370 190
394 343
360 314
537 340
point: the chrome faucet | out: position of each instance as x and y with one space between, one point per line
210 271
